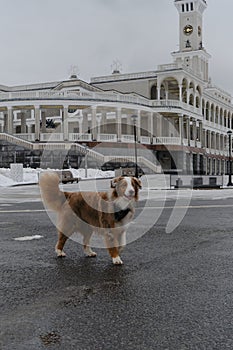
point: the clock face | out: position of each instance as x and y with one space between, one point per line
188 29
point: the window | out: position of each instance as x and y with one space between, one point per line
182 7
187 7
191 6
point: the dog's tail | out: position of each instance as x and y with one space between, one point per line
52 197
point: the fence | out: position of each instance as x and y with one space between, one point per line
189 181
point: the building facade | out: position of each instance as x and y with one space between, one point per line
180 115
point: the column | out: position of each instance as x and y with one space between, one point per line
98 119
129 125
103 128
43 122
85 122
80 124
151 125
93 123
23 123
138 124
160 125
158 92
201 133
118 120
9 124
205 138
181 129
4 122
29 128
195 132
188 129
180 93
65 123
215 141
37 123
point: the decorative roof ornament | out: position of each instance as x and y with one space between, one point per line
116 67
73 72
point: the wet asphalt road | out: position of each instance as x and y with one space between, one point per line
174 291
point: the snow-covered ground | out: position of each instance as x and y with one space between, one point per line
31 175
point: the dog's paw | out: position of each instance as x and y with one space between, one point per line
117 261
60 253
91 254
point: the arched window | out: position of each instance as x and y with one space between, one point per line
203 108
191 100
207 110
212 113
216 114
153 93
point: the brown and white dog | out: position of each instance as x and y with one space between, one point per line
106 213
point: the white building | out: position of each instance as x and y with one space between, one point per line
181 116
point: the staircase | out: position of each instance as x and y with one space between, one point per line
16 140
146 164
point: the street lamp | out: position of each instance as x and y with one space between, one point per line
85 158
134 119
229 133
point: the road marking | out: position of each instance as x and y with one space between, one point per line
149 207
189 206
27 238
22 211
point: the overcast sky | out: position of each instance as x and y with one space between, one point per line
42 39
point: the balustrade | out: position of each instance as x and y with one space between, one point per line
79 137
107 137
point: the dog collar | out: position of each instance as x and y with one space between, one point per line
120 214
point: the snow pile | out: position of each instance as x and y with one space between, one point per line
92 173
6 181
30 176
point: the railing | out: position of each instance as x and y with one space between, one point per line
166 103
166 141
51 137
79 137
113 77
16 140
146 140
171 104
192 143
127 138
107 137
215 126
28 137
169 66
49 146
64 95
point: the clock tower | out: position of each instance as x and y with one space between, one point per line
191 51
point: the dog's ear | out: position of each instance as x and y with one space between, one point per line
137 182
115 181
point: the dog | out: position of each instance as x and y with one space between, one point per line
106 213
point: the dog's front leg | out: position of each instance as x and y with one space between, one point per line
113 248
86 245
122 241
